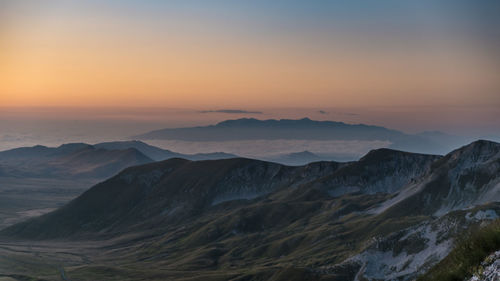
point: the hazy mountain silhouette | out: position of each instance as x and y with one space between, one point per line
301 129
296 158
69 161
159 154
101 160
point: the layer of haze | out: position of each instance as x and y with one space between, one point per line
53 126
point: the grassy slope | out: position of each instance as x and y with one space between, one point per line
260 240
468 254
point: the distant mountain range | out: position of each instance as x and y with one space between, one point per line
306 157
158 154
307 129
296 158
80 160
389 216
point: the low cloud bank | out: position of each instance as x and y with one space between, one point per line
231 111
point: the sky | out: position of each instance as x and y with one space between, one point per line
430 60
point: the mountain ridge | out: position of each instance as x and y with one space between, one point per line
368 176
244 218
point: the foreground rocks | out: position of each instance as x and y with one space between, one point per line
489 269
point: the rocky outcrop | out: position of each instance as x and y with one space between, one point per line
489 269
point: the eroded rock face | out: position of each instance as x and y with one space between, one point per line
405 254
380 171
489 269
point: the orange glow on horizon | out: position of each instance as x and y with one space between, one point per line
51 62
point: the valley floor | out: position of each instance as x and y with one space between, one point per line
102 260
22 198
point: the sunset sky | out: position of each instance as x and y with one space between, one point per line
250 54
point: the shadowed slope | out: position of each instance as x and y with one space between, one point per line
463 178
170 190
381 170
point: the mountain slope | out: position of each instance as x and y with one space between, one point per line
476 253
465 177
170 190
381 170
178 188
380 218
